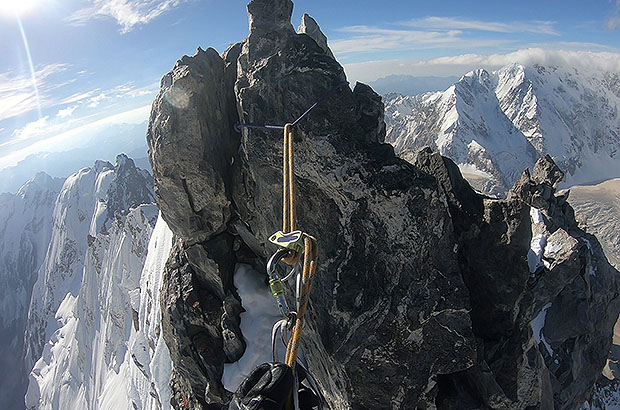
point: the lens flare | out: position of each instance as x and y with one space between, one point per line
18 7
33 75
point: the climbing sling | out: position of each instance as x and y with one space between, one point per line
292 245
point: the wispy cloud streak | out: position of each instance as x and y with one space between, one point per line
127 13
457 23
372 39
437 32
17 94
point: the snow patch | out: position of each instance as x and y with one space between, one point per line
538 324
473 170
256 324
538 242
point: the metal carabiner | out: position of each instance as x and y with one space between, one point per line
275 283
276 258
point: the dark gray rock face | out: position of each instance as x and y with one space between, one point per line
132 186
552 364
269 16
402 247
193 109
200 321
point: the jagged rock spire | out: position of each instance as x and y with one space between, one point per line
310 27
270 15
416 268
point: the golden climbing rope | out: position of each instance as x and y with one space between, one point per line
293 243
311 254
288 212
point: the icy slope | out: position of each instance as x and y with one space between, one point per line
88 204
598 209
25 231
145 372
108 352
496 124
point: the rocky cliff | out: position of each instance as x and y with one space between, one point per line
427 294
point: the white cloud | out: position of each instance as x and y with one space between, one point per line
457 23
78 97
120 97
66 112
120 92
61 137
372 39
127 13
17 91
96 100
435 33
461 64
31 130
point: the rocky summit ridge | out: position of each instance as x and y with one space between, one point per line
424 296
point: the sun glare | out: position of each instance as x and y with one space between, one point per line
18 7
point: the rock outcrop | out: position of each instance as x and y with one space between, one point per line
423 295
544 333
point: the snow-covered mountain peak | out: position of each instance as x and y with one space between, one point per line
40 182
129 187
123 160
480 79
497 124
89 203
99 166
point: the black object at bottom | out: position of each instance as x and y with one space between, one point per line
269 387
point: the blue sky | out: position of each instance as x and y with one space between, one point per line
98 63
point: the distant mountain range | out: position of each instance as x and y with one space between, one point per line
496 124
411 85
103 144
